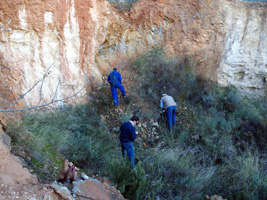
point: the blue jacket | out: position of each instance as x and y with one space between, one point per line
127 132
117 74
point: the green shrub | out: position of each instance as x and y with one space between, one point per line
243 178
131 183
178 175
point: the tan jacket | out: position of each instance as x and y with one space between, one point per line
168 101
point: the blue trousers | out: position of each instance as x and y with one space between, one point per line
128 146
114 92
171 116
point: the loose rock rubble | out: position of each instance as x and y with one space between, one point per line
28 192
91 188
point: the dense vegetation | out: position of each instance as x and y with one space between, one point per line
228 157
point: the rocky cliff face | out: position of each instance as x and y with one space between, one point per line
74 42
243 61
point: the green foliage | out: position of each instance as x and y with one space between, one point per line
178 174
131 183
227 159
243 178
75 134
227 124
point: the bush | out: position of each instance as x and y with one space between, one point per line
243 178
177 175
131 183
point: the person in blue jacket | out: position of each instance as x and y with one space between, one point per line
115 79
127 136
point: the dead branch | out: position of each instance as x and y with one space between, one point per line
42 104
3 27
41 88
45 104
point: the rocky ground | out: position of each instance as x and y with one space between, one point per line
28 192
91 188
149 129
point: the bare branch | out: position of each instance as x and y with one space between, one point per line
56 90
47 104
41 88
22 96
42 104
3 27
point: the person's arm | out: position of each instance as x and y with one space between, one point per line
161 104
133 133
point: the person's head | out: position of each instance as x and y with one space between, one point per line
163 95
134 119
115 69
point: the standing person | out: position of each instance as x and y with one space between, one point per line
115 79
127 136
167 102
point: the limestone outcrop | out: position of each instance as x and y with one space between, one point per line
243 61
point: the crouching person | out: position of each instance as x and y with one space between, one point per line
127 136
169 105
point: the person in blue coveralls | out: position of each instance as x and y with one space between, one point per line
114 78
169 105
127 136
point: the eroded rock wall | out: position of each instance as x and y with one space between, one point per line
74 42
244 57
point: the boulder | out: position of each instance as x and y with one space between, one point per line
11 170
95 190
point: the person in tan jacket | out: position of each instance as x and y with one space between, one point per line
169 105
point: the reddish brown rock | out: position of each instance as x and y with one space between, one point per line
11 170
79 40
95 190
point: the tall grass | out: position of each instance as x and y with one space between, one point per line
76 134
228 159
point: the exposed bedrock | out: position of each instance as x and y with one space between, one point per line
76 41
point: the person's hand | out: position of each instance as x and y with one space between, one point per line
136 133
